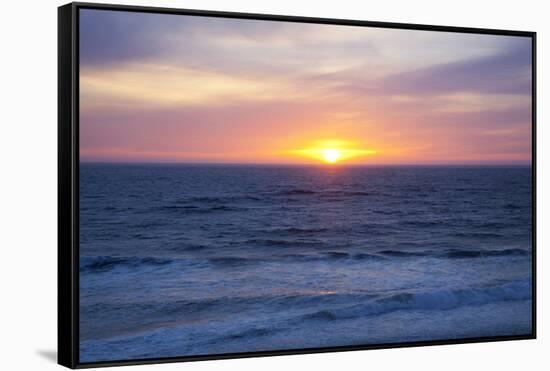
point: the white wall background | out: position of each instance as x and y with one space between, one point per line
28 155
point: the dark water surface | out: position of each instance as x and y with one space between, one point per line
182 260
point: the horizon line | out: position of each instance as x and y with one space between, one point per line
510 164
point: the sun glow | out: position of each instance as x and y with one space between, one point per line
332 151
331 155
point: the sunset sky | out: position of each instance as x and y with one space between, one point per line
170 88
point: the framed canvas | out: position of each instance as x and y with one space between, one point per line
236 185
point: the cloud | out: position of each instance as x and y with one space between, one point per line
508 72
175 87
114 37
118 37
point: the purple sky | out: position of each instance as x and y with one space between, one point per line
168 88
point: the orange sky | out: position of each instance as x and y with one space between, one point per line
168 88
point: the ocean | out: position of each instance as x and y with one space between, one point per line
179 260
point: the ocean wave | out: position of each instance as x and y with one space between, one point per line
337 254
230 261
101 264
384 255
422 223
309 306
193 209
455 253
358 193
322 193
253 333
225 208
191 247
298 231
221 199
365 256
401 253
294 192
463 254
480 235
179 207
98 264
331 256
225 304
143 236
443 299
281 243
233 261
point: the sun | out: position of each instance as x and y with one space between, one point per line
332 151
331 155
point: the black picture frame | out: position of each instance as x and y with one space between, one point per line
68 180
